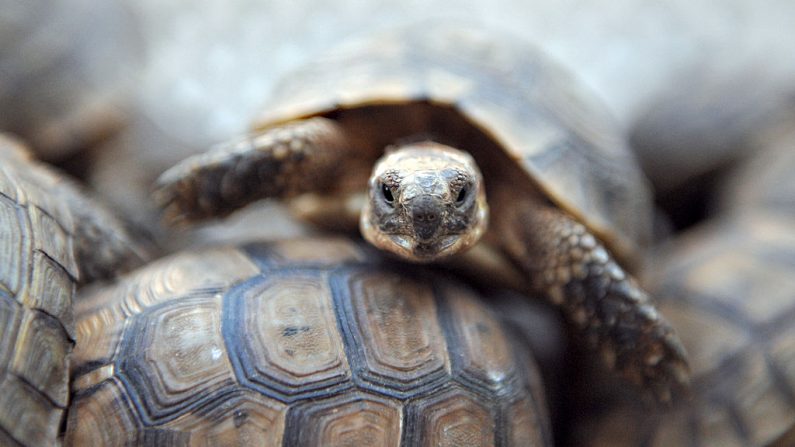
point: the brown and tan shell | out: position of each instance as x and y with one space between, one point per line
766 181
708 120
37 281
532 109
305 342
40 264
728 288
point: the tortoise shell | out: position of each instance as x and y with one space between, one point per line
765 181
707 120
729 290
45 246
534 111
303 342
37 281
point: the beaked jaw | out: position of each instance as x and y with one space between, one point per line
435 224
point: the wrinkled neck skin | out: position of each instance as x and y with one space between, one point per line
426 201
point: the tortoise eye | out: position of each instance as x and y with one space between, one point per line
387 192
462 195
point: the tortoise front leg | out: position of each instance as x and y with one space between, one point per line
578 274
277 162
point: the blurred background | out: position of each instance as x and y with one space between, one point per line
149 82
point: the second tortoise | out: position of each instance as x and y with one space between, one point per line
409 132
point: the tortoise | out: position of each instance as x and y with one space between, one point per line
703 126
438 117
765 180
728 287
51 236
65 69
707 120
311 342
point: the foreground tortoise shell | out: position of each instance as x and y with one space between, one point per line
37 281
303 342
46 225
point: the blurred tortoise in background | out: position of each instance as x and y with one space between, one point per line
422 111
728 287
311 342
765 181
51 236
66 67
708 119
703 126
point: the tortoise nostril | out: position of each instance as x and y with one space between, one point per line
425 213
425 216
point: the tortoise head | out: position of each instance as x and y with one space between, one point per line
425 201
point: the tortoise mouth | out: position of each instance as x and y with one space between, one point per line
411 248
421 251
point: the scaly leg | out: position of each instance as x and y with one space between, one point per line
105 245
277 162
575 271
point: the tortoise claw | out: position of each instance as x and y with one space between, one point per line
271 163
641 345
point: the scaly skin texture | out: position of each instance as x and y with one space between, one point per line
426 201
105 244
567 264
276 162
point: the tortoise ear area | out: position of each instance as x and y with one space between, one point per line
546 200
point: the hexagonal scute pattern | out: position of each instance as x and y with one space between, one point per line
283 336
184 362
37 281
241 418
452 418
394 325
313 348
346 420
